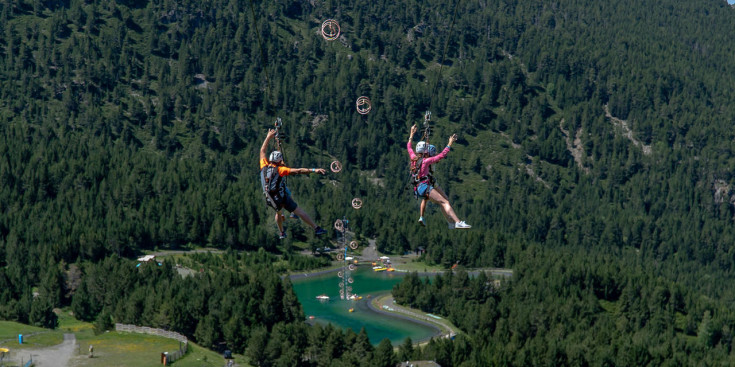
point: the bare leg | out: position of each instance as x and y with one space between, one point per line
437 198
305 217
441 192
279 221
422 210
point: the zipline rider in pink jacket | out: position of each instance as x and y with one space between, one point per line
420 163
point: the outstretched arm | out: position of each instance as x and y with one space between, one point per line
443 153
303 171
410 142
452 139
413 131
264 147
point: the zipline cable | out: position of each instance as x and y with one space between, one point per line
444 53
262 53
427 115
269 96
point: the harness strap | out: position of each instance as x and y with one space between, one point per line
268 197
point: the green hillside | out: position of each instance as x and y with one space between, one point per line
595 159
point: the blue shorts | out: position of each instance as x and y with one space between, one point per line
423 189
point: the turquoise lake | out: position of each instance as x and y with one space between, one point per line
336 311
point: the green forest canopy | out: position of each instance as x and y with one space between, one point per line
599 130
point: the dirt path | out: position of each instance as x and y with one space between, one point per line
369 253
56 356
180 252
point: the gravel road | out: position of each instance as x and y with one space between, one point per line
56 356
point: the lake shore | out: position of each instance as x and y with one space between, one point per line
384 304
472 272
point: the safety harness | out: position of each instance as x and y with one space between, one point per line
274 186
416 178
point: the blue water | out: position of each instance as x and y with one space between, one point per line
335 311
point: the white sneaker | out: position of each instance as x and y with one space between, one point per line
451 225
462 224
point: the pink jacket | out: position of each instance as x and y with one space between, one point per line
424 170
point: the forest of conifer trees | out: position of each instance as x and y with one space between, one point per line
595 159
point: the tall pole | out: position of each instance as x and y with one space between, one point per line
345 283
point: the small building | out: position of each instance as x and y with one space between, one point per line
147 258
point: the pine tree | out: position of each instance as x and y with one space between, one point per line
383 355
